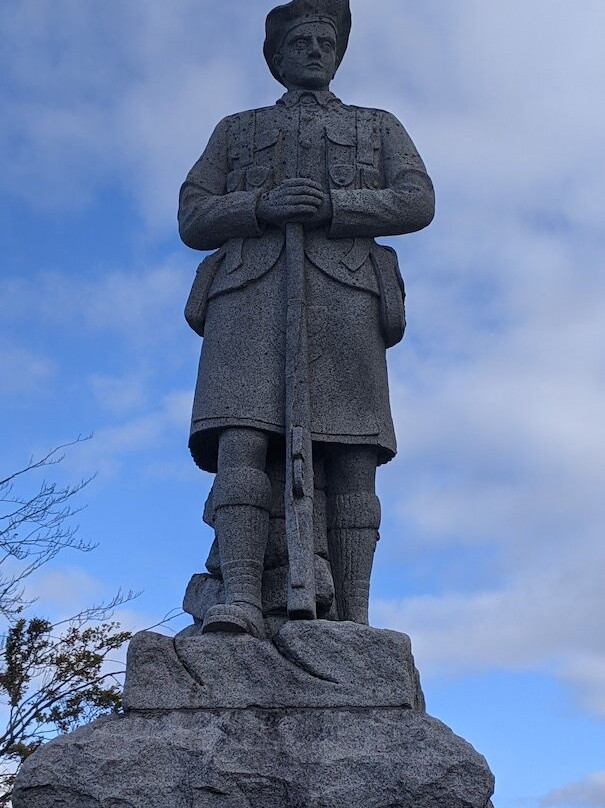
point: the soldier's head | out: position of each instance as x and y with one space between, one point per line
306 41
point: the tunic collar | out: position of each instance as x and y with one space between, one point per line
294 97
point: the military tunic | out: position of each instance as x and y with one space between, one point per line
378 186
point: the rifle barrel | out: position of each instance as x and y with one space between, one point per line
299 489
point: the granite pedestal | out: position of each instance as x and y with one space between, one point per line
328 715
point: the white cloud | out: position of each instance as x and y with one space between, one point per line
22 371
143 434
585 672
114 340
588 793
498 392
60 592
543 615
142 305
63 591
126 96
503 446
119 395
498 94
505 92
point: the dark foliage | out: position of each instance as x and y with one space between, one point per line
53 677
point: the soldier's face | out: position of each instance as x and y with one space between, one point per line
307 59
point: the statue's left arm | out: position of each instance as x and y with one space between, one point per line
405 204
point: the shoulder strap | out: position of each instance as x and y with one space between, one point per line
368 136
242 138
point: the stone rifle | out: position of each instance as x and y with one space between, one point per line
299 489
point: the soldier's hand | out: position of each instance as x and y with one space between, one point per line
296 200
322 216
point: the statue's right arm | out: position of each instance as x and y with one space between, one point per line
208 215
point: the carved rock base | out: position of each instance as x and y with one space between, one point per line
361 756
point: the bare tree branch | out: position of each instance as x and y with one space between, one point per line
53 677
35 526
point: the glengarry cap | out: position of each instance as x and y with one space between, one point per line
283 18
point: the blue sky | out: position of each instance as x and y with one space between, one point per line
492 551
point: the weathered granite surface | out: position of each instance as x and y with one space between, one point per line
330 715
297 306
309 664
295 758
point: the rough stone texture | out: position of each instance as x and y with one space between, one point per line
206 590
343 265
310 664
346 758
297 306
243 726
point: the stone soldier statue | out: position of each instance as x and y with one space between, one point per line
297 306
344 175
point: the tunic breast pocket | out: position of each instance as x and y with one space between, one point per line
342 175
258 177
371 178
341 157
234 181
265 148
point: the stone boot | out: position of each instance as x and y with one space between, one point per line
353 521
242 501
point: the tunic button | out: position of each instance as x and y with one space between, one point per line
306 143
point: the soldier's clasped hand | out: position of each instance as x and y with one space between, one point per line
295 200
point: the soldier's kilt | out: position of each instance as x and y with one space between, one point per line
242 366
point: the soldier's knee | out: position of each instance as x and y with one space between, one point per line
351 469
242 447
